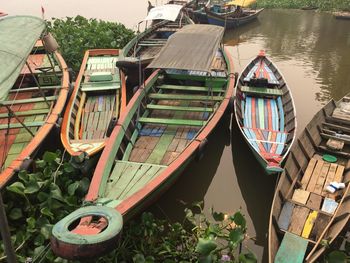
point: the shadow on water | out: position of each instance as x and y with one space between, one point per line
257 188
195 180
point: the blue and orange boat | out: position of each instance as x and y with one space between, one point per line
265 112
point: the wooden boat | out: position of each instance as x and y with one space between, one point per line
2 14
231 20
265 113
98 98
165 126
34 88
342 15
142 49
304 214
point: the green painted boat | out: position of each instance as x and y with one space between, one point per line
164 127
143 48
34 83
309 207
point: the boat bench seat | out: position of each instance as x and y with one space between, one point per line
27 113
262 91
191 88
19 125
184 97
179 122
178 108
31 100
149 44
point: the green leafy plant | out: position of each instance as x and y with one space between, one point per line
76 35
39 199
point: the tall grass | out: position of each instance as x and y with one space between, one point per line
321 4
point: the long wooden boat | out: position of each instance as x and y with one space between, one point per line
2 14
230 21
304 214
342 15
265 112
143 48
34 88
165 126
98 98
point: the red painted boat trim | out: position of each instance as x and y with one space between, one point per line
67 115
50 122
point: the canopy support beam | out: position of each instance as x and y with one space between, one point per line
38 85
12 114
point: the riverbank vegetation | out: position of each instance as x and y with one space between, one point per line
326 5
76 35
37 200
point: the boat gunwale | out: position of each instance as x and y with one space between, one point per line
64 134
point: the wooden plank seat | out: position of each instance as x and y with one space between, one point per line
19 125
99 87
35 89
262 91
190 88
336 127
31 100
27 113
184 97
178 122
178 108
147 44
344 138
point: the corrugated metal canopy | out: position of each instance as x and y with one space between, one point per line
18 36
191 48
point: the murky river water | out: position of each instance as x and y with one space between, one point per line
311 49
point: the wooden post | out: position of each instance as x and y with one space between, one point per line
5 234
37 83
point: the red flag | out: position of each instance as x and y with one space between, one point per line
42 12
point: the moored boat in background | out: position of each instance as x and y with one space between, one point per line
98 98
310 206
342 15
142 49
265 112
232 19
2 14
165 126
34 83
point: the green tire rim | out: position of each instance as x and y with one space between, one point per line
115 224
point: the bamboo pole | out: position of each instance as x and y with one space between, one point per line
5 234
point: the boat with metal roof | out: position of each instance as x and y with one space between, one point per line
34 83
165 126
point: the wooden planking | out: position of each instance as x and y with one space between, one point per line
338 177
299 216
178 108
161 148
319 226
19 125
292 249
309 224
322 178
31 100
312 183
314 201
184 97
190 88
330 177
286 215
180 122
307 175
301 196
27 113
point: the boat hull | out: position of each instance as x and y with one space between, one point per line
165 171
230 23
303 167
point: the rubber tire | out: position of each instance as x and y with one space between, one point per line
69 245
